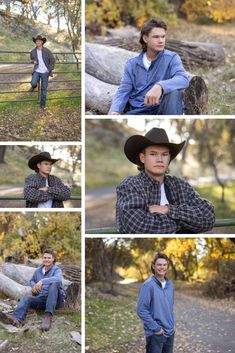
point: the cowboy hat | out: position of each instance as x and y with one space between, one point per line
43 156
156 136
39 38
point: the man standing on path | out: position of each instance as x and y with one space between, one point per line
43 190
155 308
47 294
44 63
153 81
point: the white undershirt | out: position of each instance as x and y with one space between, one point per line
146 62
46 204
41 66
163 284
164 200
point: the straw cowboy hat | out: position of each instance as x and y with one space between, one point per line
43 156
39 38
156 136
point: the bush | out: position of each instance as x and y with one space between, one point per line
203 10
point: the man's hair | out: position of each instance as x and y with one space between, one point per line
159 255
147 28
51 252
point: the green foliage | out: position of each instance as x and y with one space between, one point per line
216 10
116 13
28 234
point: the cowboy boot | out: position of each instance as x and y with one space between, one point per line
9 319
32 89
46 322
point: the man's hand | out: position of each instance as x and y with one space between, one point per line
153 96
163 209
45 189
114 113
36 289
160 333
35 62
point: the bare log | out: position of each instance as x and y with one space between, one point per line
98 94
106 63
12 289
193 54
20 275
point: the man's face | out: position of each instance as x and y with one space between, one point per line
39 43
156 39
156 160
160 267
44 167
47 260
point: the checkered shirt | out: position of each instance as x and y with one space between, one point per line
57 191
188 212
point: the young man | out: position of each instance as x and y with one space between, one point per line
44 63
47 293
152 82
155 308
41 189
154 202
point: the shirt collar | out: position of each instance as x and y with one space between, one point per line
140 57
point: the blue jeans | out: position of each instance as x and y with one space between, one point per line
53 301
36 76
170 104
159 344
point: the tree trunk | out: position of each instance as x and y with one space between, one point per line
12 289
20 276
2 153
102 82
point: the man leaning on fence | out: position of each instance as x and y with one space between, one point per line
44 63
43 190
154 202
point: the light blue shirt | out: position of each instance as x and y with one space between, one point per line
155 306
166 70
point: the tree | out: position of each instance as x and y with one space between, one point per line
2 153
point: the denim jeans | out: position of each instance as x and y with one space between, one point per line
36 76
170 104
53 301
159 344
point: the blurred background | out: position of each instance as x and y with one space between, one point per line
14 168
202 270
207 162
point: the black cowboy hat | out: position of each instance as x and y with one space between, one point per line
156 136
43 156
39 38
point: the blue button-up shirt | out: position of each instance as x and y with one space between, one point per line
53 275
166 70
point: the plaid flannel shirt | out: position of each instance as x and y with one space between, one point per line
57 191
188 212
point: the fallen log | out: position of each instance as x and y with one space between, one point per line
20 275
101 81
193 54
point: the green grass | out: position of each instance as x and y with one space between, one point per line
111 320
213 193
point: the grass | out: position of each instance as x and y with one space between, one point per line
54 341
111 320
219 80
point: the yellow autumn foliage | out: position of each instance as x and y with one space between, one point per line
216 10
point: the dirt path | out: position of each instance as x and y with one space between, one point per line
202 327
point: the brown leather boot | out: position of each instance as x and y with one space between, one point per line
46 322
9 319
31 89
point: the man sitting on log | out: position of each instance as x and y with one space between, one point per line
153 202
152 83
42 190
47 293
